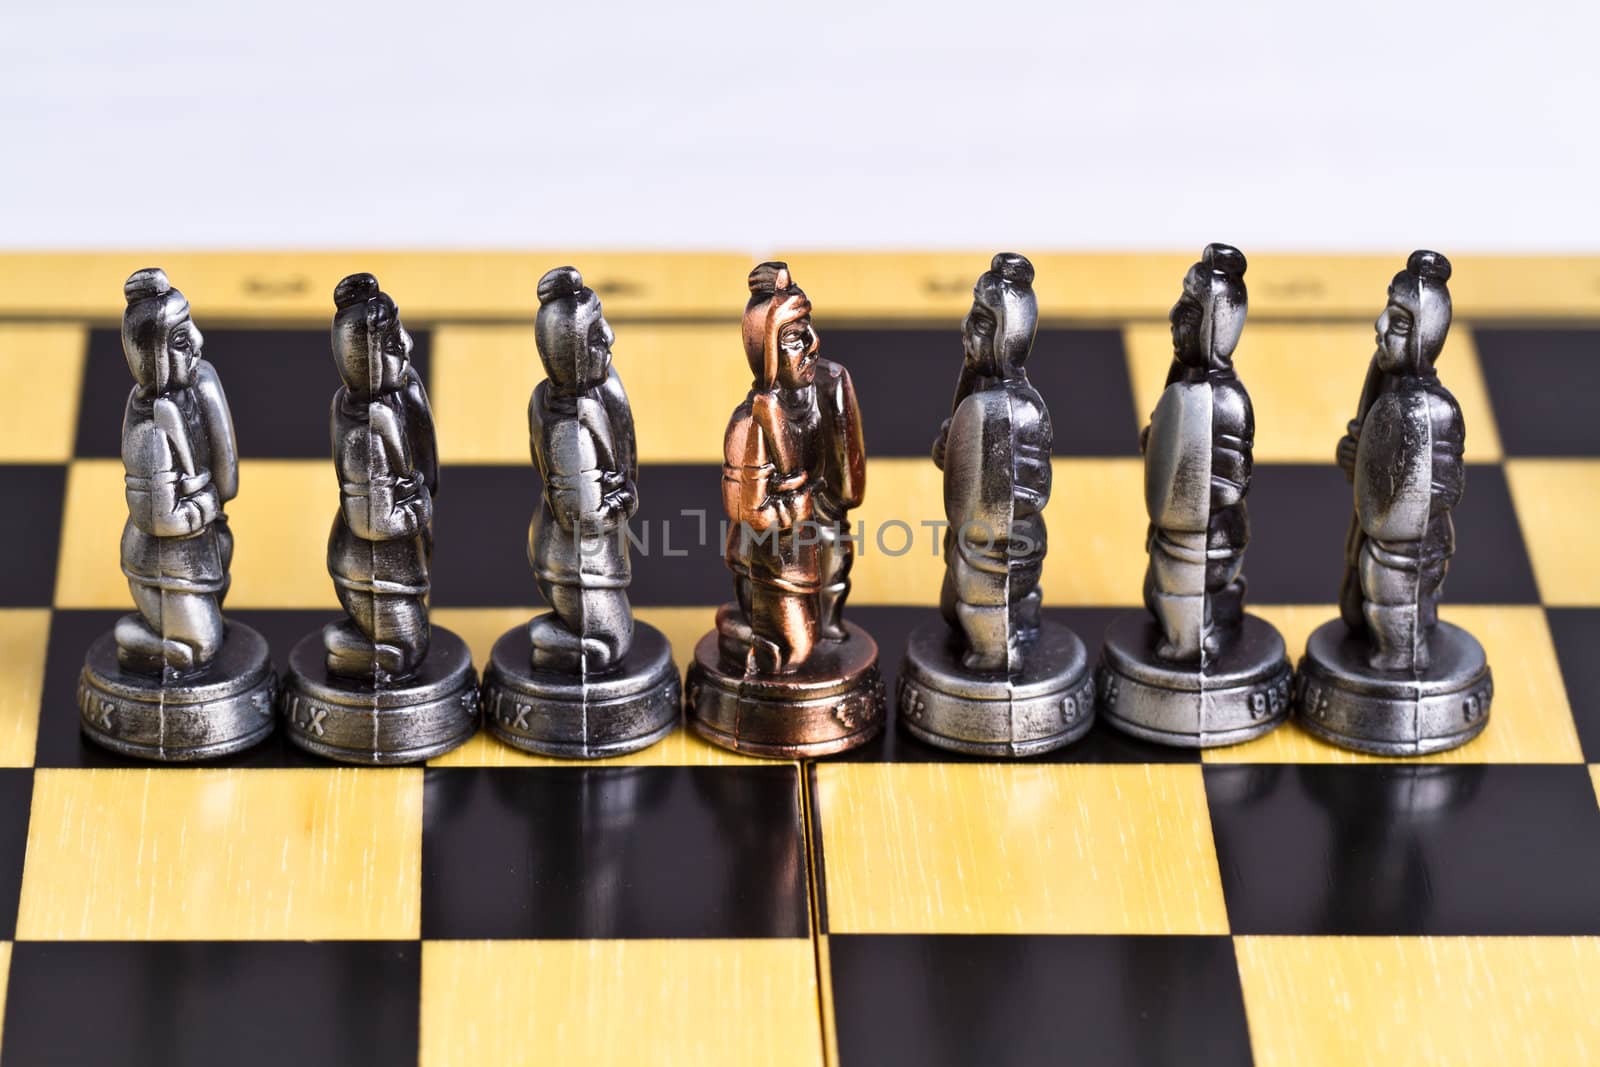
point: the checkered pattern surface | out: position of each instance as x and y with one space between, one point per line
1281 902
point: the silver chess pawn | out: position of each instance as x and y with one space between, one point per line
993 678
585 679
1198 671
382 685
1388 676
175 680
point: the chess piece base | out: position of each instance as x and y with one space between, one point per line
424 716
833 703
1241 695
1340 698
1050 703
554 714
223 709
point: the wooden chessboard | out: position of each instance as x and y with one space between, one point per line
1113 902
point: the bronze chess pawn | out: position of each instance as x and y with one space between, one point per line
381 685
784 674
1388 676
993 678
175 680
1198 671
585 679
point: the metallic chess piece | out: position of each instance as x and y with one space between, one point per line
381 685
1198 672
585 679
992 678
783 674
1387 676
175 680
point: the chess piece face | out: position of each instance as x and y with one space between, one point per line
994 678
794 464
381 684
175 680
1390 677
1199 672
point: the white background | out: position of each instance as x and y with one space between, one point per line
467 123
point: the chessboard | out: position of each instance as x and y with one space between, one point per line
1277 902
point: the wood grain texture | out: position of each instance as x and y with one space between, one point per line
276 563
42 366
1020 848
1305 379
181 854
601 1003
1460 1001
1558 504
24 636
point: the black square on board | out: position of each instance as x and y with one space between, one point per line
1300 515
905 379
280 384
31 500
1407 850
613 852
1544 386
241 1003
1576 633
480 537
1031 999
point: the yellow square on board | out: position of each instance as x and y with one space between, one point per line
1438 1000
229 855
1558 508
1018 848
280 522
89 572
898 558
24 637
481 379
1530 720
1305 381
42 366
667 1003
1097 526
481 627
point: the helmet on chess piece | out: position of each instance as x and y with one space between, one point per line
1006 291
1216 283
370 345
568 314
775 302
1421 291
154 310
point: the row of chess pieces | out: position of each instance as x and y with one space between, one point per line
782 672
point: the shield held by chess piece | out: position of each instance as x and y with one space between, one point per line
992 677
783 674
586 679
175 680
382 685
1389 677
1197 671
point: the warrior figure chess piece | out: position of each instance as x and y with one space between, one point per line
585 679
1389 676
783 673
175 680
1197 671
381 685
992 678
